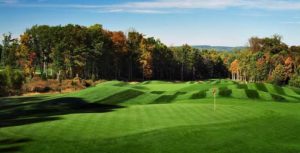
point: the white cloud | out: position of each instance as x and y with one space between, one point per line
159 6
8 1
255 14
170 4
212 4
139 11
291 22
167 6
147 11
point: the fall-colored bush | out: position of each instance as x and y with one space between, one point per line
52 85
10 82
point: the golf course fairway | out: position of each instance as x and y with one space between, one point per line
155 117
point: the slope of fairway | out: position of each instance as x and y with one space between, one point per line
156 92
155 117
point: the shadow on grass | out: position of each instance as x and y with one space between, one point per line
296 90
278 98
157 92
199 95
261 87
121 96
225 92
18 100
12 145
280 93
252 94
167 98
242 86
49 110
279 90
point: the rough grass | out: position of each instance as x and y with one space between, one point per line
115 117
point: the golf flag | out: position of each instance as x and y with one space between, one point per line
214 91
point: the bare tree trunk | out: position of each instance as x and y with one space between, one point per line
143 73
46 69
130 68
45 66
58 75
182 71
116 72
194 78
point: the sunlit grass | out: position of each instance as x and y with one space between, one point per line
154 117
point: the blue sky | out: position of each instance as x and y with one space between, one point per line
175 22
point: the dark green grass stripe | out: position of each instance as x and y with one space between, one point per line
261 87
296 90
278 98
252 94
121 96
199 95
225 92
242 86
164 99
279 90
157 92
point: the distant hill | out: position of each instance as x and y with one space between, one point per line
217 48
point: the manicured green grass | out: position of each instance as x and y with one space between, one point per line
155 117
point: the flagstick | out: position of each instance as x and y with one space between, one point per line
214 93
214 102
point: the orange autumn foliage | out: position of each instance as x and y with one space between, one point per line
234 66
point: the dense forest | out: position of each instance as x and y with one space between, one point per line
267 59
74 51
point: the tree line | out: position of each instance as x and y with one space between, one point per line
266 60
75 51
65 52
